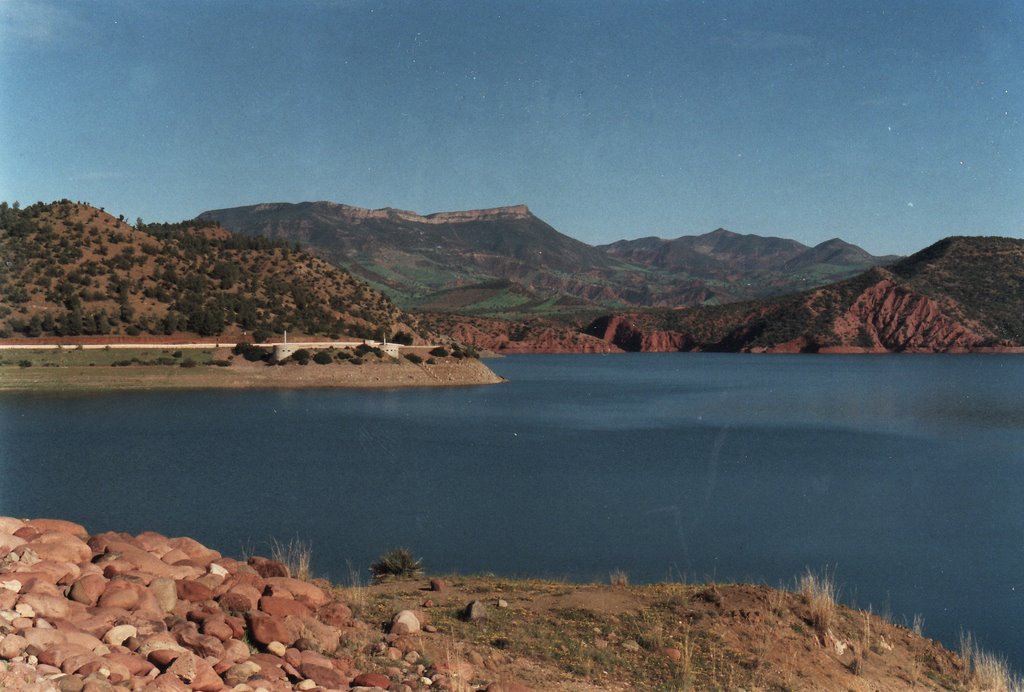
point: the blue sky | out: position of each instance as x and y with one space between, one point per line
889 124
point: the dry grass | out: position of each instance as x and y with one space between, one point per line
355 592
862 647
687 649
777 601
819 593
986 672
618 577
296 554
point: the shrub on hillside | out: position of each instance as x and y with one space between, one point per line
439 352
363 349
250 352
301 356
322 358
413 358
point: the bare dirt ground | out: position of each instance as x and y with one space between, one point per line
557 636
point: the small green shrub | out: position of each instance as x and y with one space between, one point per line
322 358
188 363
301 356
397 563
413 358
24 364
439 352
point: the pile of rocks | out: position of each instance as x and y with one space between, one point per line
114 611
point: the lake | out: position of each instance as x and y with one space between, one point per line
903 474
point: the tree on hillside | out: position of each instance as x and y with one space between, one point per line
71 323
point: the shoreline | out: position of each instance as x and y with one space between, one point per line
369 375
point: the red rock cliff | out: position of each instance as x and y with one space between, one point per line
625 334
898 319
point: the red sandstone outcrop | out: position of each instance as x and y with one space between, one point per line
886 316
625 334
508 337
897 319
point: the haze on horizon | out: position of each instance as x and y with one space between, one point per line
890 125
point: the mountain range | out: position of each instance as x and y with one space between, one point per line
507 262
499 279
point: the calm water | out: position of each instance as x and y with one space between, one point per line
905 474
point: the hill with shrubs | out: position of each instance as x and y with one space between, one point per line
70 269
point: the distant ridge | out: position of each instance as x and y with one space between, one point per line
515 261
723 252
518 211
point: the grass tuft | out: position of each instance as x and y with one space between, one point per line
296 554
819 592
618 577
355 592
397 563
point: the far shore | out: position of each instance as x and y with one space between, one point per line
371 374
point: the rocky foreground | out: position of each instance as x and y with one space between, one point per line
113 612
